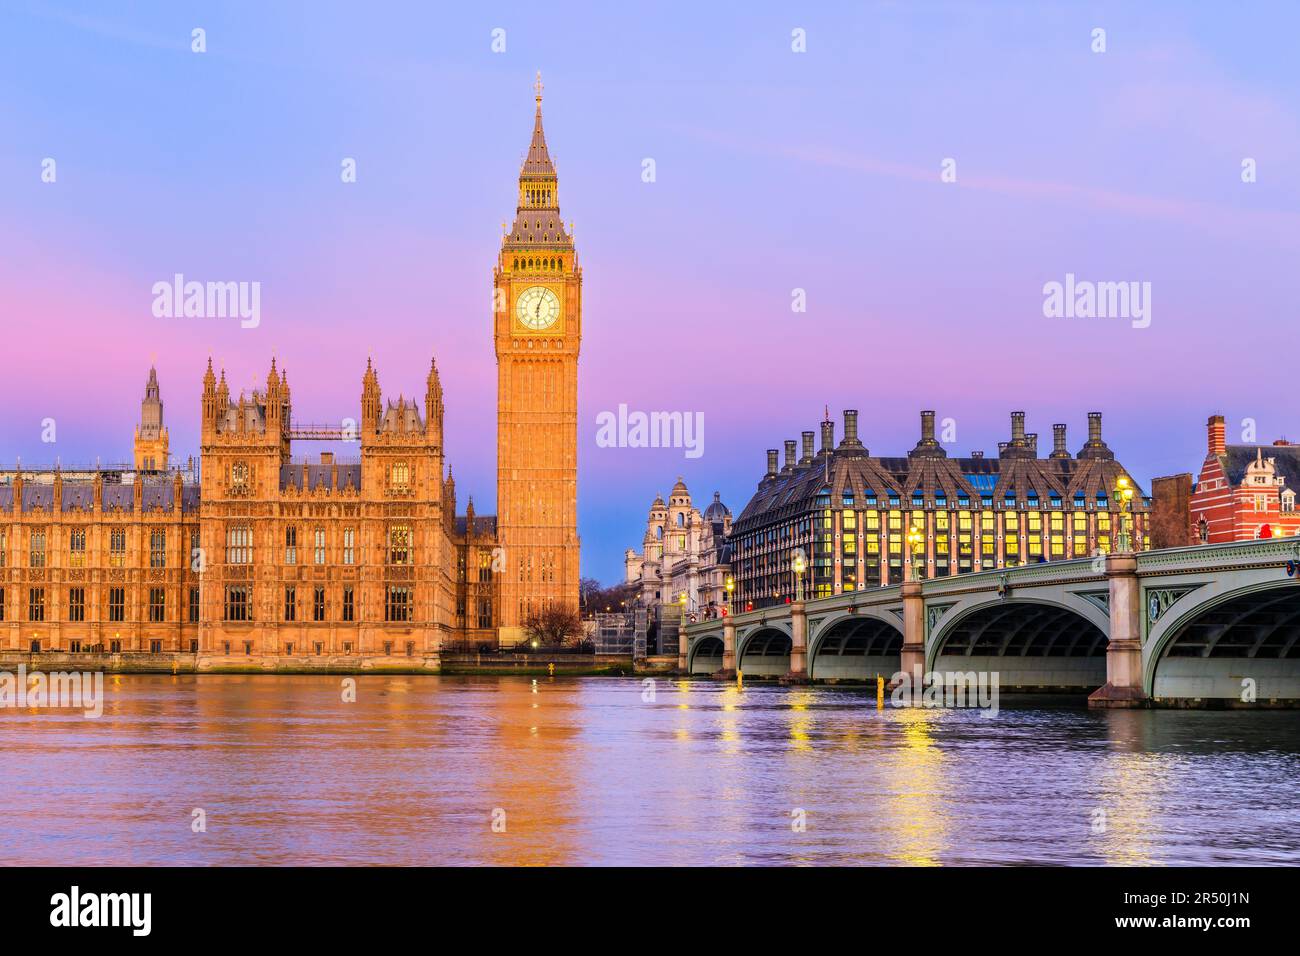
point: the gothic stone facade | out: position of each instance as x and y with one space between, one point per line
262 556
259 556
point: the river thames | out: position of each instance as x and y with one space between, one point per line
502 770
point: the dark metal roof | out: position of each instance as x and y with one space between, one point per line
119 496
1286 459
794 491
483 524
320 476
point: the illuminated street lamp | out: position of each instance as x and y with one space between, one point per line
915 541
1124 493
731 586
799 566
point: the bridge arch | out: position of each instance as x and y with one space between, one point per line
705 655
1033 643
1206 644
764 651
856 647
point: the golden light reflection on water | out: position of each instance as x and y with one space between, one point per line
1128 827
801 721
531 778
730 719
916 826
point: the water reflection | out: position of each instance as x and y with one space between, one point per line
603 771
916 828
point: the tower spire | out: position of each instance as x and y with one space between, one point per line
537 214
537 162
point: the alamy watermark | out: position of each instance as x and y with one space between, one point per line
936 689
130 910
208 300
1084 299
624 429
74 690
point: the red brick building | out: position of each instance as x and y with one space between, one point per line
1244 491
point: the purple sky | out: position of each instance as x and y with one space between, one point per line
775 170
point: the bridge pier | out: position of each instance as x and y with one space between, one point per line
913 651
728 650
1123 687
683 657
798 673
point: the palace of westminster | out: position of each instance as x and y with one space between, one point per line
254 554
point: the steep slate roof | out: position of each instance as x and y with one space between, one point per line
1239 457
320 476
80 495
157 495
1017 472
483 524
38 496
119 496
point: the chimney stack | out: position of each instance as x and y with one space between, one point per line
1094 447
771 463
1218 435
927 447
789 455
1058 442
807 457
1018 428
1032 439
828 436
851 430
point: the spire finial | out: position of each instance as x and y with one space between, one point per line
538 87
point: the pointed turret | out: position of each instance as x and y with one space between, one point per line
209 397
151 446
433 404
274 402
370 410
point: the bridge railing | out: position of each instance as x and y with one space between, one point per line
1258 551
1262 551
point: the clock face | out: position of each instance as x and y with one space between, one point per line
537 308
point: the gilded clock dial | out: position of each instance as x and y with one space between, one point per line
537 308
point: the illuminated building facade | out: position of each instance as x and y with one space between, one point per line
849 513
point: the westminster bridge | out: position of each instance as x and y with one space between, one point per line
1180 626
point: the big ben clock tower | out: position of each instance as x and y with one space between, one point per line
537 305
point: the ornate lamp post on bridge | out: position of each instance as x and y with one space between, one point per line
799 565
1124 493
915 541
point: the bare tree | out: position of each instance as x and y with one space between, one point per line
553 625
617 597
